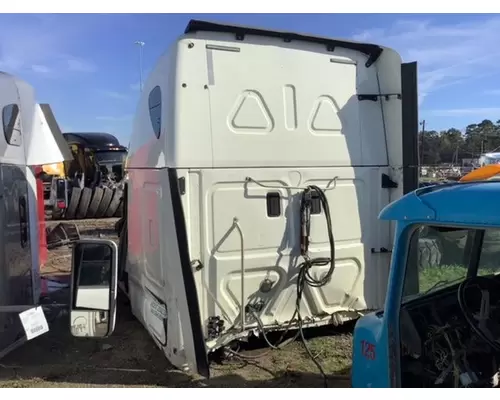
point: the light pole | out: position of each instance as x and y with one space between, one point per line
141 45
420 148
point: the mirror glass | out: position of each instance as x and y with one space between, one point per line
93 288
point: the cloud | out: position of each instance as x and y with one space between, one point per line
135 86
115 95
41 44
79 65
484 112
115 118
41 69
447 54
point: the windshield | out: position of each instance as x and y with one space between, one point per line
115 157
442 256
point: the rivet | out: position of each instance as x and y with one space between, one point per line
190 45
184 85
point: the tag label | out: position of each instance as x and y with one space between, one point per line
34 322
158 310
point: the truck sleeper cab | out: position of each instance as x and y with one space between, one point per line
234 126
440 326
24 131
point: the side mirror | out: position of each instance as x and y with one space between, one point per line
93 288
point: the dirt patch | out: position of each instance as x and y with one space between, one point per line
130 358
59 260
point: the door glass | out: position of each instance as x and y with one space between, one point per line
489 261
437 258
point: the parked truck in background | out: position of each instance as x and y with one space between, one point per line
90 185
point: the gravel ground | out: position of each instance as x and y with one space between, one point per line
130 358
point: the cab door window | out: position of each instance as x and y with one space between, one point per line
11 121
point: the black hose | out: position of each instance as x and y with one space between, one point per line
304 277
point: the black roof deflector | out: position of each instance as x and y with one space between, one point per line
373 51
94 140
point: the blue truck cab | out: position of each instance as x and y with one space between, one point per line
440 326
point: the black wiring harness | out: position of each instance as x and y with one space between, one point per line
304 278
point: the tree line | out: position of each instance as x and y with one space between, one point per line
452 145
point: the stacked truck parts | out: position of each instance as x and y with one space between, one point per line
100 202
90 185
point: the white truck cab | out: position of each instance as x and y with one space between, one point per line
258 164
25 129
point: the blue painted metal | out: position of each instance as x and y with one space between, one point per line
474 204
462 204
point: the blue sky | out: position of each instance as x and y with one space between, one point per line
86 65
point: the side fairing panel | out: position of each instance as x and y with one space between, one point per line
161 281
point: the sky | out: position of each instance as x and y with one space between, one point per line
86 66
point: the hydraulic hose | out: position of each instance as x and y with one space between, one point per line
305 277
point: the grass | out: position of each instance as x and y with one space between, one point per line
430 276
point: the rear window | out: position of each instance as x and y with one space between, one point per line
111 156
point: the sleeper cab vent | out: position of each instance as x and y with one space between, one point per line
273 202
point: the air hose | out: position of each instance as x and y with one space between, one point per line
305 278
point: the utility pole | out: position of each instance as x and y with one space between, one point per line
141 45
420 149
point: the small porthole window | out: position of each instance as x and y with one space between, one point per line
11 121
154 103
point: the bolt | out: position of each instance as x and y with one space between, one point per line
190 45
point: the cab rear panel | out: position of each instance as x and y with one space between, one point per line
247 124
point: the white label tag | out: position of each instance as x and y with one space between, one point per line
158 310
34 322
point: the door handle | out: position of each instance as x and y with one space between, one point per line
23 222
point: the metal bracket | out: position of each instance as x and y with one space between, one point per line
22 308
374 97
328 187
197 265
18 343
236 224
381 250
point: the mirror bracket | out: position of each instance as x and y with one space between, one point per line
94 285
